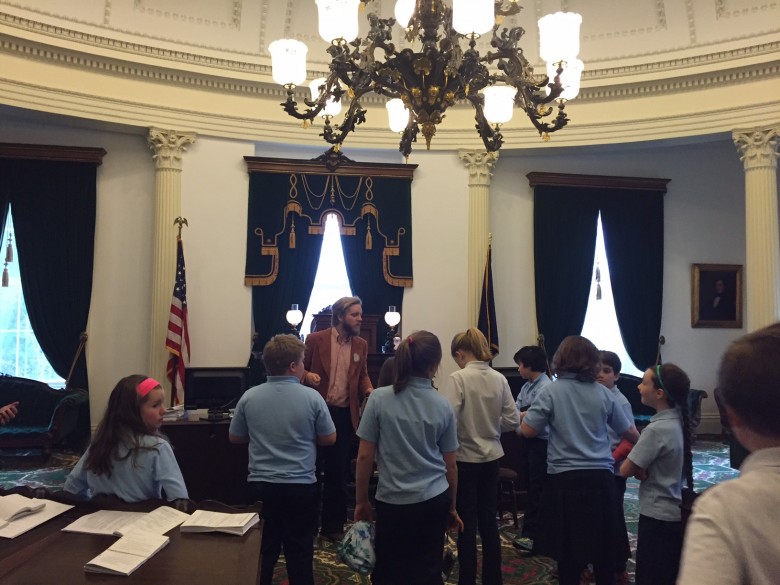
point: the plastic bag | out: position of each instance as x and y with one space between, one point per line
356 549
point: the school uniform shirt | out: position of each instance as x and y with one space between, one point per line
733 535
144 475
614 438
412 430
282 419
659 450
483 405
578 414
526 396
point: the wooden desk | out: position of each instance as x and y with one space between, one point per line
213 468
51 556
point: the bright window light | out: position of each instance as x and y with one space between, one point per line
601 324
331 282
20 353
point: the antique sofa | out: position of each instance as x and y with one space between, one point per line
47 417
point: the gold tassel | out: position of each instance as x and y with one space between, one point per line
5 276
598 283
292 236
369 239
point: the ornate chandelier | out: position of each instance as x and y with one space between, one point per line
423 82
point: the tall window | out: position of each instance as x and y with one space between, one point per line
601 324
20 354
331 282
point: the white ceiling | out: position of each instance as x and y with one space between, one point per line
613 31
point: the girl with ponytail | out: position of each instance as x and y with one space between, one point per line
660 460
410 430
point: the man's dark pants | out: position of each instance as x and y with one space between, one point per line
335 461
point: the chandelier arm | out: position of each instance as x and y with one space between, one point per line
491 136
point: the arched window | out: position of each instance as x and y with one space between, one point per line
20 353
331 282
601 324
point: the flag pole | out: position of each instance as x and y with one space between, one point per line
177 341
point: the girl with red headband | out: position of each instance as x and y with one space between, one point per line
128 457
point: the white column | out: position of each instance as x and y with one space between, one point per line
480 166
758 149
168 147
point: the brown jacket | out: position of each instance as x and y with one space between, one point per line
317 360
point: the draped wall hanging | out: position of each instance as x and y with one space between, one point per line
289 201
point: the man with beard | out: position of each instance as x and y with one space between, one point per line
336 366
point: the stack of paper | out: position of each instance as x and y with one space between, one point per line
202 521
18 514
15 506
128 553
174 413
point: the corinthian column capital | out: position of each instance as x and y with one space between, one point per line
480 166
168 147
758 147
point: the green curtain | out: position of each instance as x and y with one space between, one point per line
297 266
54 205
633 223
286 221
565 224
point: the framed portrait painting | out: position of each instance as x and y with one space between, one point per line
716 295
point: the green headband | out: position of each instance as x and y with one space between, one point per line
669 397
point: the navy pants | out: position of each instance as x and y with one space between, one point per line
289 525
477 506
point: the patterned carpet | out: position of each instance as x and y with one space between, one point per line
711 466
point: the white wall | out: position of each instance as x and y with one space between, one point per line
704 224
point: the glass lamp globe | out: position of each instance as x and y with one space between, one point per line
404 10
397 114
332 107
473 17
294 316
559 36
288 61
499 103
392 317
338 19
570 78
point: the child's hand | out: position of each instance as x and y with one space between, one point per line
455 521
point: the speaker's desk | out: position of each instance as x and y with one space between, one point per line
48 555
213 468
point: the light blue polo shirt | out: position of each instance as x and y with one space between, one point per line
526 397
660 451
282 419
578 415
412 430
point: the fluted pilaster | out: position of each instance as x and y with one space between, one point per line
480 166
168 147
758 149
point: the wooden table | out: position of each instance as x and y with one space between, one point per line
46 555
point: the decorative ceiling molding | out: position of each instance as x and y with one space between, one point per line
234 23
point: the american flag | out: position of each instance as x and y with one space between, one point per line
178 340
487 306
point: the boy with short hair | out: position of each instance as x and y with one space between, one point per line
732 536
531 362
283 421
609 374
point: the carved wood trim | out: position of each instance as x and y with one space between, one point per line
257 164
598 181
51 152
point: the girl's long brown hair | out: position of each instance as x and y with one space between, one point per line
417 355
121 424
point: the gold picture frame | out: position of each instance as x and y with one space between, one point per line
716 296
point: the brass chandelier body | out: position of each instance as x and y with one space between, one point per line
434 78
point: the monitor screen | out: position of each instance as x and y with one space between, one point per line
215 388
